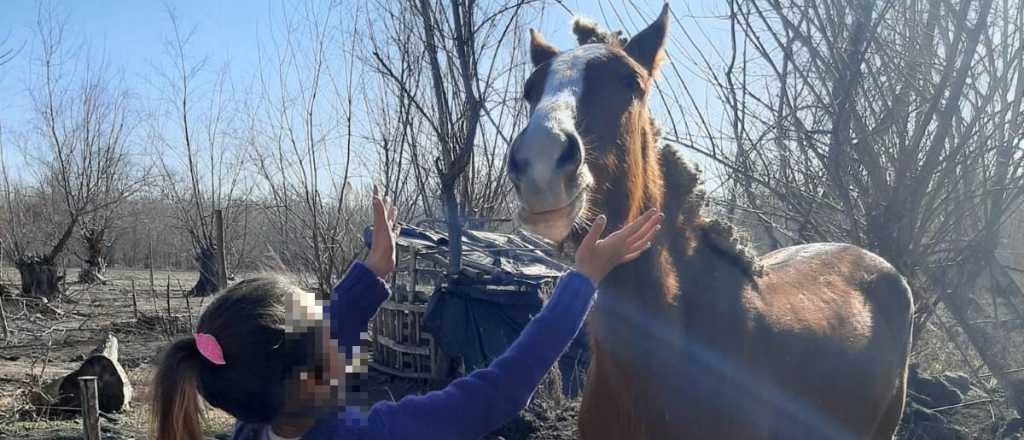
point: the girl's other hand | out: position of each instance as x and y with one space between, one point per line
381 259
596 257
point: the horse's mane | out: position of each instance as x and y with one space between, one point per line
685 198
680 176
589 32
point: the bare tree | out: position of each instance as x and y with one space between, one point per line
200 159
94 233
398 132
10 230
83 128
7 51
301 131
440 48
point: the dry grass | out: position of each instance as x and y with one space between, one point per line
48 340
942 347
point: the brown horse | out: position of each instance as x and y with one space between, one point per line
695 339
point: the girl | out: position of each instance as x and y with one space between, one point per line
268 354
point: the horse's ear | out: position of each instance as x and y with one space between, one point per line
648 46
540 51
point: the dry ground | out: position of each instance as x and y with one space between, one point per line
48 340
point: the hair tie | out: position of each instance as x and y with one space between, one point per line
209 348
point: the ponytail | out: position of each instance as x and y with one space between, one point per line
175 406
247 320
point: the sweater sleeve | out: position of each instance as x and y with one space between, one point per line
353 302
481 402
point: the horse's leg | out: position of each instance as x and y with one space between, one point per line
890 419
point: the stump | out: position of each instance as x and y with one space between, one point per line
40 276
63 395
207 283
90 274
95 264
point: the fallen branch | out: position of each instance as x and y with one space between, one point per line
1012 370
973 402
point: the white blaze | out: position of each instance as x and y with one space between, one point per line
554 117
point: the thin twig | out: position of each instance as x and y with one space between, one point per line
973 402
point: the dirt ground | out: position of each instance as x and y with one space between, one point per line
46 341
49 340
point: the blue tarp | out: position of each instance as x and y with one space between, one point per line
470 320
476 322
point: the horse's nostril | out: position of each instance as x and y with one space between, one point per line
572 155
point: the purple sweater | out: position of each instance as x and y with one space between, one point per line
469 407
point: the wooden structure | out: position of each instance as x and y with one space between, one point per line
400 346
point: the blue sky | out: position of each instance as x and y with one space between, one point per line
131 33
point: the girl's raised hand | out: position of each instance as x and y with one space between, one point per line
596 257
381 259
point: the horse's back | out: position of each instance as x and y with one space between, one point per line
833 288
832 326
839 292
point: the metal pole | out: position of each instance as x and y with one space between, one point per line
222 264
90 408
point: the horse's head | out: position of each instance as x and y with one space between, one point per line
586 143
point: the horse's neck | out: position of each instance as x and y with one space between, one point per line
709 301
648 280
637 295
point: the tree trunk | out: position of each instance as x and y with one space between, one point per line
39 276
994 345
95 263
451 210
207 284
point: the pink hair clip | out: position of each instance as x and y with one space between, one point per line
209 348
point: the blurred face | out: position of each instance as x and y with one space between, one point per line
318 387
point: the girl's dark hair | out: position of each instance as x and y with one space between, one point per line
248 321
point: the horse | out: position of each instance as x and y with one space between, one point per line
698 338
